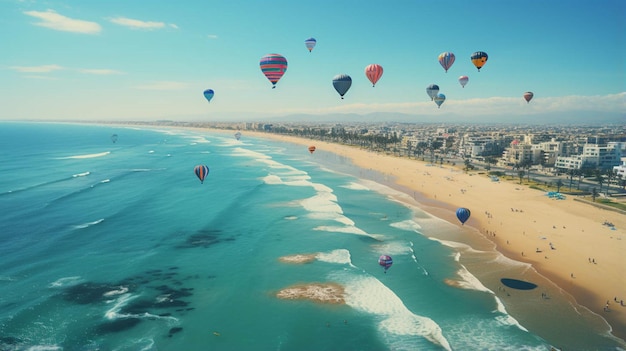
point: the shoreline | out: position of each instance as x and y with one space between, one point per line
566 242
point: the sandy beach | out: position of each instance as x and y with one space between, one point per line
565 241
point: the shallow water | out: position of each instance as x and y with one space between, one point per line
117 246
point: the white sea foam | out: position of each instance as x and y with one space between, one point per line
355 186
65 281
100 154
105 181
151 151
337 229
392 248
367 294
121 301
408 225
469 281
84 174
121 290
44 348
88 224
340 256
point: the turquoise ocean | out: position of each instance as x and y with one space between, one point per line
119 246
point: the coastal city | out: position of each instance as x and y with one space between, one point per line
593 157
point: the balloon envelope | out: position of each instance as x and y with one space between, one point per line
373 72
114 138
310 43
463 80
201 172
463 214
439 99
208 94
385 261
479 58
342 83
273 67
238 135
432 91
528 96
446 59
311 148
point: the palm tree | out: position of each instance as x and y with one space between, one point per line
520 173
559 184
594 194
599 178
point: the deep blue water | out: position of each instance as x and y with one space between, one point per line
118 246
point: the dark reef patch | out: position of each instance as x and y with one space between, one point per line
518 284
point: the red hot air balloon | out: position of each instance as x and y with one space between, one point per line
273 67
311 148
374 72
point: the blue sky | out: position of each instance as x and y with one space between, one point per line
146 60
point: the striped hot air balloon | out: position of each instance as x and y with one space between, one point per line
273 67
310 43
446 59
201 172
373 72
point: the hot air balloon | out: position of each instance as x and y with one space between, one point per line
463 80
385 261
273 67
238 135
528 96
463 214
310 43
311 148
114 138
446 59
432 91
208 94
374 72
479 58
439 99
342 83
201 172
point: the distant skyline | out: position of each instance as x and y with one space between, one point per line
133 60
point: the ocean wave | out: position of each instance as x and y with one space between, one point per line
392 248
100 154
340 256
88 224
355 186
84 174
407 225
123 299
65 282
105 181
469 281
397 322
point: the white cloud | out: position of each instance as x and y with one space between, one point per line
51 19
163 85
138 24
99 71
36 69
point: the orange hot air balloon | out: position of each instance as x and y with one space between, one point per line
374 72
479 58
311 148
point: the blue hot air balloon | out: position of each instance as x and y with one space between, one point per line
201 172
310 43
208 94
439 99
342 83
463 214
385 261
